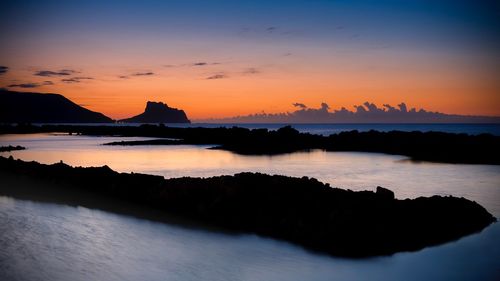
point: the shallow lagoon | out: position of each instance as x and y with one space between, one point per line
48 241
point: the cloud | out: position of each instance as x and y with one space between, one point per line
76 79
49 73
251 70
204 63
268 32
271 29
402 107
147 73
324 106
217 76
299 105
364 113
3 69
142 73
31 85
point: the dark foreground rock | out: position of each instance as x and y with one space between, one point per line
300 210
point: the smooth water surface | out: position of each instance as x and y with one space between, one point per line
328 129
349 170
54 242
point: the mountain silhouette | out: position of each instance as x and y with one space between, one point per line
21 107
158 112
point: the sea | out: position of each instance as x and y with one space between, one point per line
328 129
46 241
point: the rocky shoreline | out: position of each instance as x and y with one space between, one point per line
303 210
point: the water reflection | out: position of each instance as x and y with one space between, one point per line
54 242
352 170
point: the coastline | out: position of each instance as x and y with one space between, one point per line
299 210
422 146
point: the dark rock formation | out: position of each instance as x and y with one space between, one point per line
300 210
20 107
11 148
158 112
147 142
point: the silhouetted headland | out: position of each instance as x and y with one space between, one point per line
428 146
11 148
300 210
20 107
158 112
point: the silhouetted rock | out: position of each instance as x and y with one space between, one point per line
20 107
384 193
147 142
300 210
11 148
158 112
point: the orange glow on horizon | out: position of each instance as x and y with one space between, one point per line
441 85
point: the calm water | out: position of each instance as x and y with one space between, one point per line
327 129
55 242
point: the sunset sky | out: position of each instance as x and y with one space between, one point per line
224 58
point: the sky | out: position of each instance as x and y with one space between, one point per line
217 59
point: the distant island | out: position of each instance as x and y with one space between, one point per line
300 210
22 107
158 112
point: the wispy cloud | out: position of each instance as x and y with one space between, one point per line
137 74
204 63
3 69
271 29
142 73
217 76
76 79
268 31
251 70
299 105
198 63
50 73
31 85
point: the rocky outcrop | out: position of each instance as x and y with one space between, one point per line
300 210
158 112
11 148
20 107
